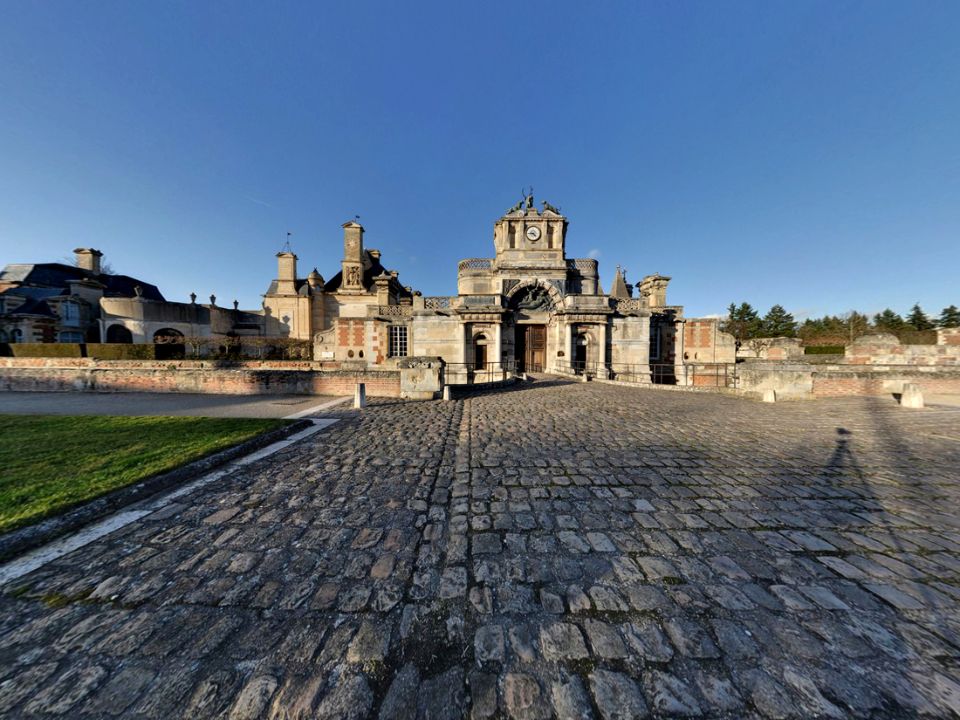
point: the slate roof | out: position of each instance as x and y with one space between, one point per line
58 275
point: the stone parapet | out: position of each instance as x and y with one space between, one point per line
885 349
798 380
216 380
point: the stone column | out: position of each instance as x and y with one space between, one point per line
568 346
678 362
602 351
498 346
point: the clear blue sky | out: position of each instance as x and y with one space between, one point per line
806 153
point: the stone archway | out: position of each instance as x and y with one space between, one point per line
119 334
534 295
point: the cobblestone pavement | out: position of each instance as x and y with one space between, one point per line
567 549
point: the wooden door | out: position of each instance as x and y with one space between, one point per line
535 355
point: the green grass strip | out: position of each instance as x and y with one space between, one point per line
49 464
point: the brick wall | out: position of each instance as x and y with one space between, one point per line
948 336
887 350
703 342
86 375
848 384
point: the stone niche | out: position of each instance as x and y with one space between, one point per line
421 378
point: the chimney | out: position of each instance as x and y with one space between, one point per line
286 273
353 242
88 259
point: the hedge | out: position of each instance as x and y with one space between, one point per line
823 350
121 351
47 350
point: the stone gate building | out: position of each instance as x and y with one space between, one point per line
529 308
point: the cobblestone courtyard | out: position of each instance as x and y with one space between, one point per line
567 549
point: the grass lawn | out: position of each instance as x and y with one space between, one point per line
49 463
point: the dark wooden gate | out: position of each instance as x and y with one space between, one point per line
531 348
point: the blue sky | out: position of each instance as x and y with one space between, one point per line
804 153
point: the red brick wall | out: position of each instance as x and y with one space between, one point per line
84 374
856 385
864 352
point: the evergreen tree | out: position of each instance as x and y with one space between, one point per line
950 317
888 321
778 323
742 322
918 319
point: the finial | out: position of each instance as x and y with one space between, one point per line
213 299
236 305
287 248
193 298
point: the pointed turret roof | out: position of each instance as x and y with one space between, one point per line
619 289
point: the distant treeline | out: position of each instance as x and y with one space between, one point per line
745 323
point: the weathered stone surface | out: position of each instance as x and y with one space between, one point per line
617 696
409 560
562 641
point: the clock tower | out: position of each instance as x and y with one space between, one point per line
526 237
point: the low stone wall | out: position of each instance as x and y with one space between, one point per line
248 378
884 380
796 381
885 349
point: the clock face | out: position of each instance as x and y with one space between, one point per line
533 233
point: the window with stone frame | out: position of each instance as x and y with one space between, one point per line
654 341
70 313
398 345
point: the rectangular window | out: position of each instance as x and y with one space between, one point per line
654 341
70 313
398 341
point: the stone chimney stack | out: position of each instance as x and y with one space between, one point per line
353 242
88 259
352 265
286 273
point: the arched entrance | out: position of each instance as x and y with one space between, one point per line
119 334
533 303
170 344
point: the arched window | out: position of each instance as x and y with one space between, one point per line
119 334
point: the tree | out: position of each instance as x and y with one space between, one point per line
857 324
918 319
888 321
742 322
778 323
949 317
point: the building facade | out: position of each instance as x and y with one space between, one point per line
528 308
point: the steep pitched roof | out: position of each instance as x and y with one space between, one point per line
619 289
58 275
